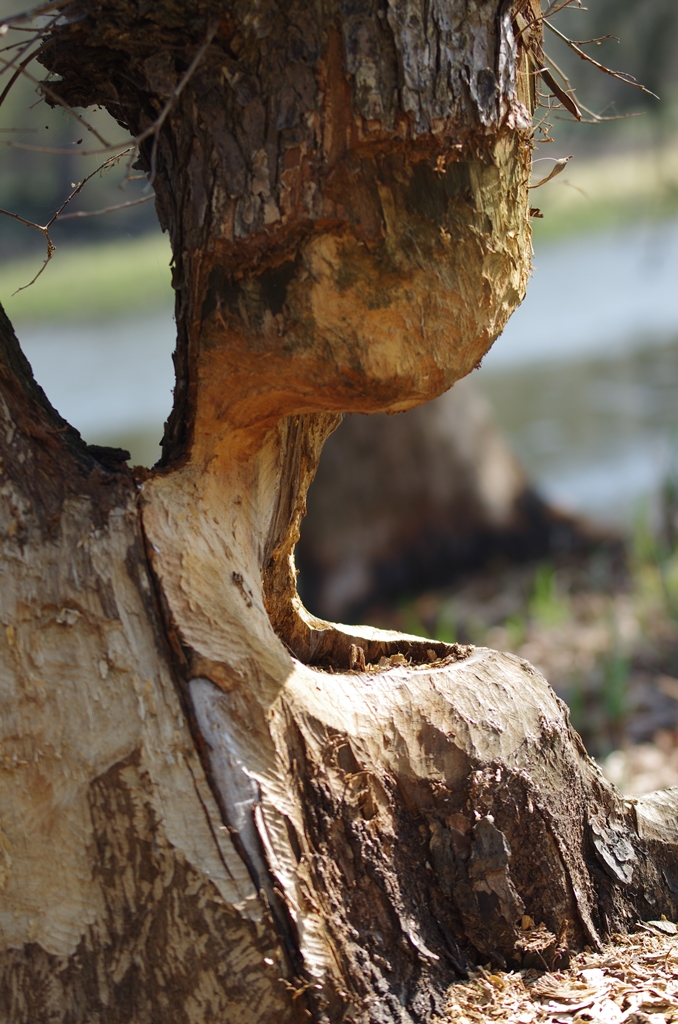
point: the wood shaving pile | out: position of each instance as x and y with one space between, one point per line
455 652
634 980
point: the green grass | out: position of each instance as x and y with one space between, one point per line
547 606
90 282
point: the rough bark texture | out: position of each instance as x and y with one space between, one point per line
214 807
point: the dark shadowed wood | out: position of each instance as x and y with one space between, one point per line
402 504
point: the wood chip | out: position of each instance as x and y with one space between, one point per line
634 980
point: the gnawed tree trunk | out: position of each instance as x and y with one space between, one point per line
215 807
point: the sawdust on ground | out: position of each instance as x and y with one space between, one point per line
633 980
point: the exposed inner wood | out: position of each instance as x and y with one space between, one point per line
122 895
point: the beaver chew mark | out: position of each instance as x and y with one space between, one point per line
339 651
274 284
433 657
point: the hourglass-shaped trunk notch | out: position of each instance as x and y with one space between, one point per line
225 808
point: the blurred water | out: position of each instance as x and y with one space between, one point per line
113 380
598 435
584 380
595 295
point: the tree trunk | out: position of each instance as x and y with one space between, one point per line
215 807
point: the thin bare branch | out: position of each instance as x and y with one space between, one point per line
81 184
44 228
597 118
105 209
559 71
51 248
22 220
19 71
554 8
23 46
50 244
622 76
544 126
20 44
62 103
35 12
63 151
593 118
598 40
548 13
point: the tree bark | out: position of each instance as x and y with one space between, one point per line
214 806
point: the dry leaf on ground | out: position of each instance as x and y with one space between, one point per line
634 980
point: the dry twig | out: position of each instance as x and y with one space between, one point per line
106 209
44 228
622 76
633 979
34 12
